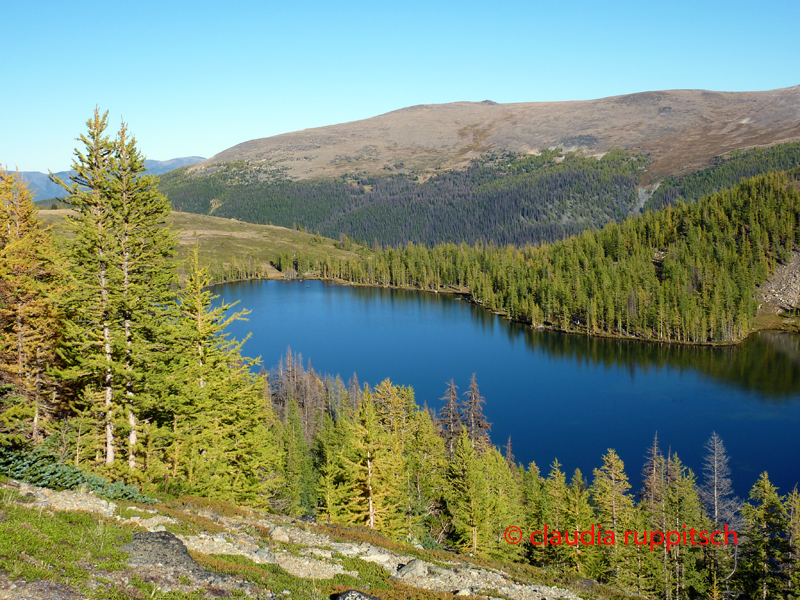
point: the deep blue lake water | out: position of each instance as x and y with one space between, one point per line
557 396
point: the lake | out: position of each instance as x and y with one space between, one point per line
555 395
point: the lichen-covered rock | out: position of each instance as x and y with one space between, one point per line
159 549
310 568
355 595
414 568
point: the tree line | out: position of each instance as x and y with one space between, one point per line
111 364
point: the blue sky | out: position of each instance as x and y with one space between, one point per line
194 78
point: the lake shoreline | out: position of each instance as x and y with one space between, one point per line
466 294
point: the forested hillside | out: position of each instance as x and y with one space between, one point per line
686 273
109 365
508 199
727 171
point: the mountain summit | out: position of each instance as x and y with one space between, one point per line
681 129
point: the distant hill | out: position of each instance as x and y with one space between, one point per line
682 130
508 173
44 189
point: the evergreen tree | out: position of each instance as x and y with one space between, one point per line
372 468
145 246
223 441
472 416
121 285
467 495
504 505
426 464
686 575
93 298
615 512
766 548
300 489
334 487
450 417
29 323
588 561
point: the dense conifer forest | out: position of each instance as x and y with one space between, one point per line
726 172
109 364
685 274
506 199
509 199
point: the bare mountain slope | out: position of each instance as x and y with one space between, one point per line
682 129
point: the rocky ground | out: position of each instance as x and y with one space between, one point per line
781 292
166 560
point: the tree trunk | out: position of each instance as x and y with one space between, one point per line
371 517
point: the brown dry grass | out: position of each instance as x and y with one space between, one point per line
682 130
223 241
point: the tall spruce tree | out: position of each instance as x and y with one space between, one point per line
121 285
426 464
615 509
145 246
765 551
91 304
372 467
467 495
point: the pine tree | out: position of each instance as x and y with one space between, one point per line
504 506
450 417
554 512
223 428
615 510
474 420
687 572
29 327
766 549
426 464
372 468
579 516
145 246
334 488
467 495
298 473
93 298
121 285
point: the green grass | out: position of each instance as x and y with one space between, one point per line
62 547
224 242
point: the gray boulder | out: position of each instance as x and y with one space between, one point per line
159 548
414 568
355 595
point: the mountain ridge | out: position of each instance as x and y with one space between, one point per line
44 189
681 129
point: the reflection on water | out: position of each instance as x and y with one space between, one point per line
768 362
556 395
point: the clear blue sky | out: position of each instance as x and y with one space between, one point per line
194 78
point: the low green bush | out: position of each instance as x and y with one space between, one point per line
39 467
